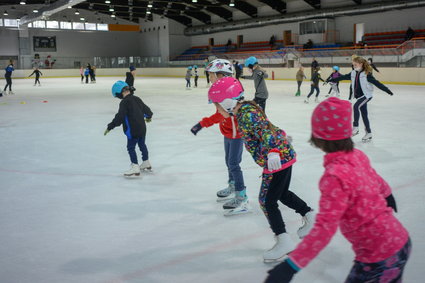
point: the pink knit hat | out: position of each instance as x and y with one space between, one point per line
332 120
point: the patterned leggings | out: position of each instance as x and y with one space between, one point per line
389 270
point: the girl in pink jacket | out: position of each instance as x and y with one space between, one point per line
355 199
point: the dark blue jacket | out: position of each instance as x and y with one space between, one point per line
9 69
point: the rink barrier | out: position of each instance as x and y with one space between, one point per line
402 76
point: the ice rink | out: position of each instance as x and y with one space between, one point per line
68 215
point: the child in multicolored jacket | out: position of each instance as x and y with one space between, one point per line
334 90
235 194
271 149
355 199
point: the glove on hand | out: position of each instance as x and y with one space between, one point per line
195 129
273 161
281 273
148 120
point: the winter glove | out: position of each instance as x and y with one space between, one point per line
281 273
148 120
195 129
273 161
106 132
391 93
391 202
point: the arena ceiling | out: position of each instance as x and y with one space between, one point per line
182 11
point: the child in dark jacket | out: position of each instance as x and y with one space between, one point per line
315 85
131 114
37 76
334 90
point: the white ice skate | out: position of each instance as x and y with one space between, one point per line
35 84
316 100
355 131
367 137
283 246
11 92
308 222
241 207
133 171
306 101
226 193
146 166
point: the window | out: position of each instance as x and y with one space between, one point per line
312 27
66 25
1 22
76 25
90 26
52 24
29 25
10 23
39 24
102 27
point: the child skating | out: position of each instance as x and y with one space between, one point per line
354 198
82 74
235 193
129 78
334 90
8 76
271 149
258 75
314 86
300 78
37 76
361 83
188 76
131 114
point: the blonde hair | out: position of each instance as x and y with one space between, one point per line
366 66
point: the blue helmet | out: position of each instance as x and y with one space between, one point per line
117 88
336 68
251 61
132 68
189 68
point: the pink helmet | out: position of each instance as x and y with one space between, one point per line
226 91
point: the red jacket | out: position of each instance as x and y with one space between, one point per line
228 126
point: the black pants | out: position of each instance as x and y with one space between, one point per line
87 79
37 79
238 75
208 76
274 188
82 78
361 107
261 102
312 90
299 85
196 81
8 83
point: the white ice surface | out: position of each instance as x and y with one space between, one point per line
68 215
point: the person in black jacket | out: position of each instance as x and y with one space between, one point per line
315 85
132 114
37 76
370 61
129 78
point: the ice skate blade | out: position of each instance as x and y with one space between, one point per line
235 211
223 199
132 175
366 140
146 170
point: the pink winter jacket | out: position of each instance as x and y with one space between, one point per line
353 198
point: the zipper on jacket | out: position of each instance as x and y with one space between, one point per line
233 126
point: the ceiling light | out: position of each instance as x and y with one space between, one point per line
77 12
5 13
69 7
194 1
22 2
148 12
113 15
107 2
82 19
111 9
232 3
150 4
35 11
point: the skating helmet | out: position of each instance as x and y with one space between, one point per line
226 91
220 66
117 88
336 68
189 68
195 66
132 68
250 62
